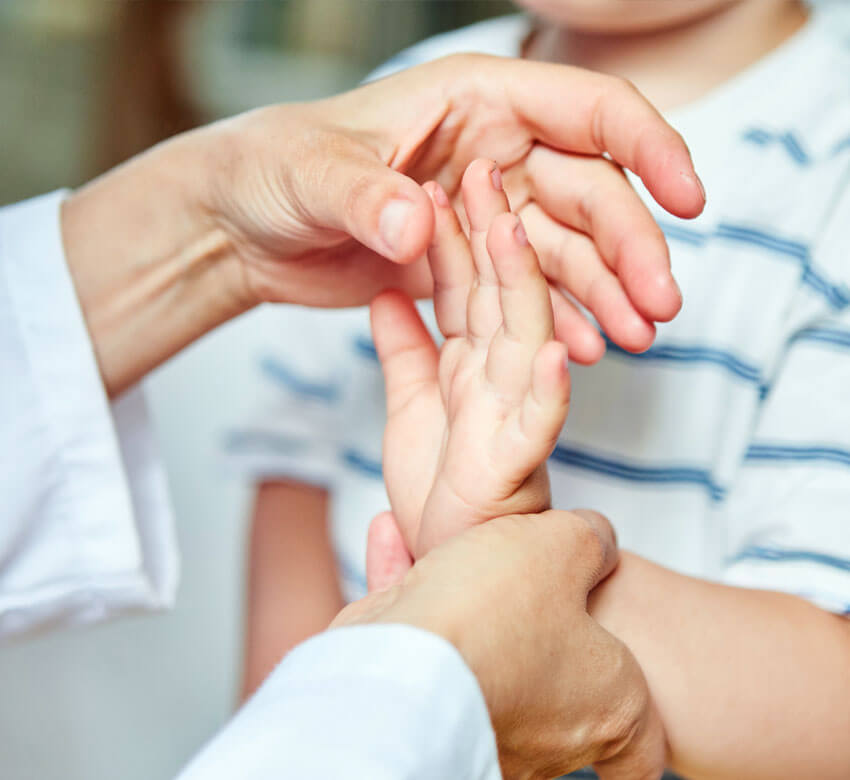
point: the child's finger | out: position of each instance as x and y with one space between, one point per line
527 321
484 199
387 557
405 348
545 407
523 290
450 259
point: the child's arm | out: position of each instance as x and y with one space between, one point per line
293 590
751 684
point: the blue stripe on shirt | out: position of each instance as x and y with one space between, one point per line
283 374
365 347
363 464
640 473
797 453
777 555
832 336
680 353
838 295
841 146
791 144
787 140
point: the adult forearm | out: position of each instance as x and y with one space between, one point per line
152 270
750 684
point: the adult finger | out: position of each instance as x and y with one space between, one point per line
593 196
345 186
573 328
579 111
572 260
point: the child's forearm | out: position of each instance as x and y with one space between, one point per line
293 589
750 684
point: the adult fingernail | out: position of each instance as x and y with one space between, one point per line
496 178
393 222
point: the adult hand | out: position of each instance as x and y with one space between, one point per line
303 203
333 186
511 595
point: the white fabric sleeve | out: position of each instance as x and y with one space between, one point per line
383 702
86 528
788 513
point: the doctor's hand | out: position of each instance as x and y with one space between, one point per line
511 596
307 203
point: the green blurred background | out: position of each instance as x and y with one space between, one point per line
87 83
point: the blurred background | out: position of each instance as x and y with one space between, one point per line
85 84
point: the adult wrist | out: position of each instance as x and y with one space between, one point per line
152 269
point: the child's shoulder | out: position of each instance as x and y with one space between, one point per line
501 37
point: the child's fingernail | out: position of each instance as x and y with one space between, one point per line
392 223
440 196
496 178
520 234
701 186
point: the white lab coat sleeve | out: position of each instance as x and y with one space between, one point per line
378 702
86 528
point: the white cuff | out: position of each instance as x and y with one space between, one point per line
88 530
385 702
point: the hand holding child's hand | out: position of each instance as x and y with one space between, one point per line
470 426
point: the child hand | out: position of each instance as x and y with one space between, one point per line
469 426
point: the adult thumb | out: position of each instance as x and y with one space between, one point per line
361 195
387 557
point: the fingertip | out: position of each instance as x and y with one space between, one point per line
634 334
667 297
482 171
667 168
387 557
587 348
586 344
698 195
385 312
406 225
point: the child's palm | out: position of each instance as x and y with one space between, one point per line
469 428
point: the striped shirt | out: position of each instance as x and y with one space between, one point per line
724 451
